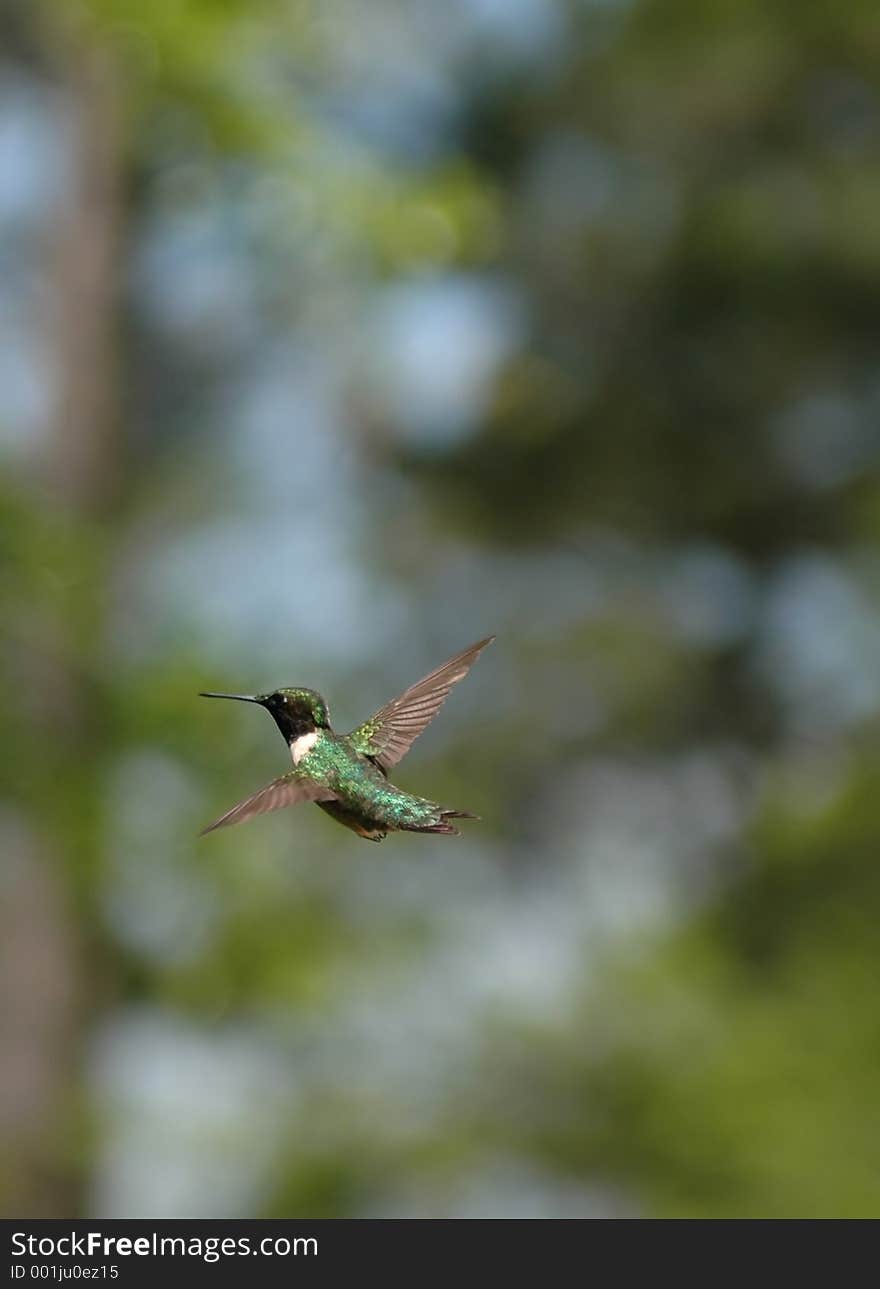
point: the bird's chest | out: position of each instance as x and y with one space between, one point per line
302 746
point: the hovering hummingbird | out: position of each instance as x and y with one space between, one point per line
347 774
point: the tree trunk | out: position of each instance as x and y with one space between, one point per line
44 973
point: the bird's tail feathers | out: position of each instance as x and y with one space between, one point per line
440 823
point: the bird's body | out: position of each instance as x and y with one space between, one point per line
363 798
347 774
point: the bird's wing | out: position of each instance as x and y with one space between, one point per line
388 736
287 790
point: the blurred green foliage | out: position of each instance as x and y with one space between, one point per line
669 501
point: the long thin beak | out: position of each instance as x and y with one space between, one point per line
239 698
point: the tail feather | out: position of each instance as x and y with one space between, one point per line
440 823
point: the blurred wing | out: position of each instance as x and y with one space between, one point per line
388 736
286 791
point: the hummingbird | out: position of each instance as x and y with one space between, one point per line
347 774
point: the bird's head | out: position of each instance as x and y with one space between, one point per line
294 711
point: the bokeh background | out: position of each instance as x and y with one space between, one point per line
334 336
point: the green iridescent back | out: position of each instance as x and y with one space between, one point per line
336 764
